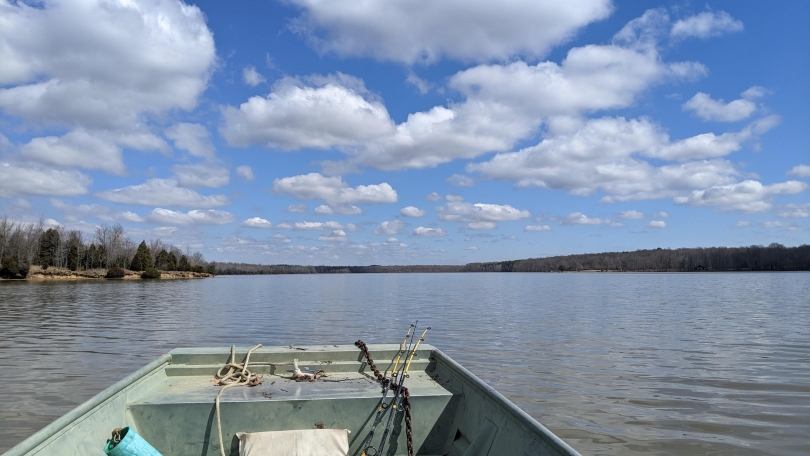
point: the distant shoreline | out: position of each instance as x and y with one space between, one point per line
775 257
756 258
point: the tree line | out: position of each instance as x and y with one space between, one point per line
228 268
774 257
23 245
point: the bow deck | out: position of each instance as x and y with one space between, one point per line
171 404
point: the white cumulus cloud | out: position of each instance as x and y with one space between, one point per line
321 226
578 218
201 175
161 192
422 231
251 76
705 25
390 227
77 148
193 217
323 209
503 103
336 112
421 85
794 211
296 208
707 108
533 228
460 180
413 31
333 190
657 224
193 138
480 226
800 171
257 222
38 180
102 65
334 236
411 211
747 196
284 239
608 155
344 209
459 211
245 172
104 213
631 214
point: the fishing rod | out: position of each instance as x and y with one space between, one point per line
402 348
370 450
398 394
421 338
386 386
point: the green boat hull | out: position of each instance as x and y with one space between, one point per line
170 402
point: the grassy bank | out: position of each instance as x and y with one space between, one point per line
36 273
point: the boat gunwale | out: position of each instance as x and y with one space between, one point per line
85 408
522 417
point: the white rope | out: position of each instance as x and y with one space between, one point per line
299 376
237 375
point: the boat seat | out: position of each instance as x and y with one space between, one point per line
307 442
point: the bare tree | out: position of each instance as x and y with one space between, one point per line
156 245
196 259
20 245
6 228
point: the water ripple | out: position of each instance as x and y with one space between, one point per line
613 363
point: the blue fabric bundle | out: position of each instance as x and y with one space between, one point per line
131 444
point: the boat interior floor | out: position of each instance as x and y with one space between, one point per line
177 416
170 403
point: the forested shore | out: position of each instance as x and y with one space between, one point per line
26 248
60 253
775 257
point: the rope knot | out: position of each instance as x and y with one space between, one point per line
234 374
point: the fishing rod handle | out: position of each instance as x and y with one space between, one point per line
410 359
401 349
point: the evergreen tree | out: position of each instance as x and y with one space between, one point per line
91 257
115 273
48 243
13 268
183 264
143 258
150 273
164 261
73 257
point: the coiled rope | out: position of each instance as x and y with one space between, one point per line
406 396
230 375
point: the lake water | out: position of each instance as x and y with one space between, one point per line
684 364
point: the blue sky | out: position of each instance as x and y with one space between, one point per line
408 132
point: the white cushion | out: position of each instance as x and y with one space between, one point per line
308 442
